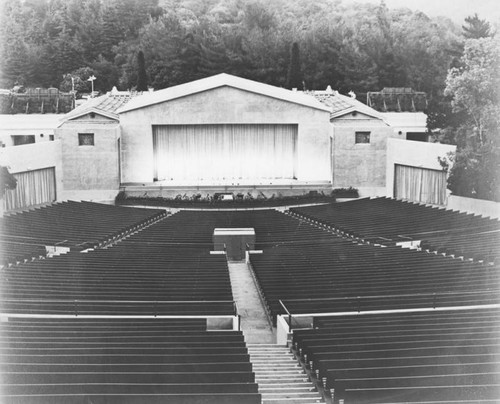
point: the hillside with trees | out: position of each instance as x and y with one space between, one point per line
360 47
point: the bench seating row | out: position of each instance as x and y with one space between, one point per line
71 224
129 278
123 360
386 221
406 357
325 277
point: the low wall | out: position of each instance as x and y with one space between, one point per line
414 154
34 156
96 195
371 192
475 206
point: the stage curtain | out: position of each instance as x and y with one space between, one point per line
33 188
420 184
224 152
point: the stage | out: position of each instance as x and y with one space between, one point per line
267 188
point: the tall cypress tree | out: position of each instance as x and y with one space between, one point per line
294 78
142 78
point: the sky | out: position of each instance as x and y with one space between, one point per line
456 10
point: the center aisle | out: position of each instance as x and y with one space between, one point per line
254 321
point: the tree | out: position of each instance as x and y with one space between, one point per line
7 181
294 77
142 78
77 79
475 92
475 88
476 28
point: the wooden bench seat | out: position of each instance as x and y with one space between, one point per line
460 394
410 372
127 377
128 388
192 398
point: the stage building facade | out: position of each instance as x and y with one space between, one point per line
218 134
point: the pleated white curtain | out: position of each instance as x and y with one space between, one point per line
420 184
224 152
33 188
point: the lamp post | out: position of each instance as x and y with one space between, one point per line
91 79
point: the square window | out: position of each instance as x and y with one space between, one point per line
51 138
85 139
362 137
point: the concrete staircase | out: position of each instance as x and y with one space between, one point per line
280 377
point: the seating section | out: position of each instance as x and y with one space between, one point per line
123 361
196 227
133 277
55 350
78 225
387 221
438 356
325 274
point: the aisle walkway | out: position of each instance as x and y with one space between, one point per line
254 322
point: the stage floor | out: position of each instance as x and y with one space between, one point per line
267 187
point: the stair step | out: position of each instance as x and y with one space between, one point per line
281 365
283 385
266 345
286 389
290 401
281 378
306 394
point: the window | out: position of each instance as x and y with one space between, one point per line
417 137
85 139
362 137
19 140
51 137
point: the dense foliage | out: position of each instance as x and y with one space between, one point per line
474 88
361 47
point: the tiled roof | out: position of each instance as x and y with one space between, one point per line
339 103
335 101
108 104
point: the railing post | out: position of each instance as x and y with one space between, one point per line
75 302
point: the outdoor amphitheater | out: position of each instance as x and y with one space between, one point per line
371 300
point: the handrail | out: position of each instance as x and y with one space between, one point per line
397 295
112 301
153 307
283 305
432 300
290 317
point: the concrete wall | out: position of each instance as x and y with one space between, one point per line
415 154
34 156
90 172
405 122
360 165
476 206
225 105
38 125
